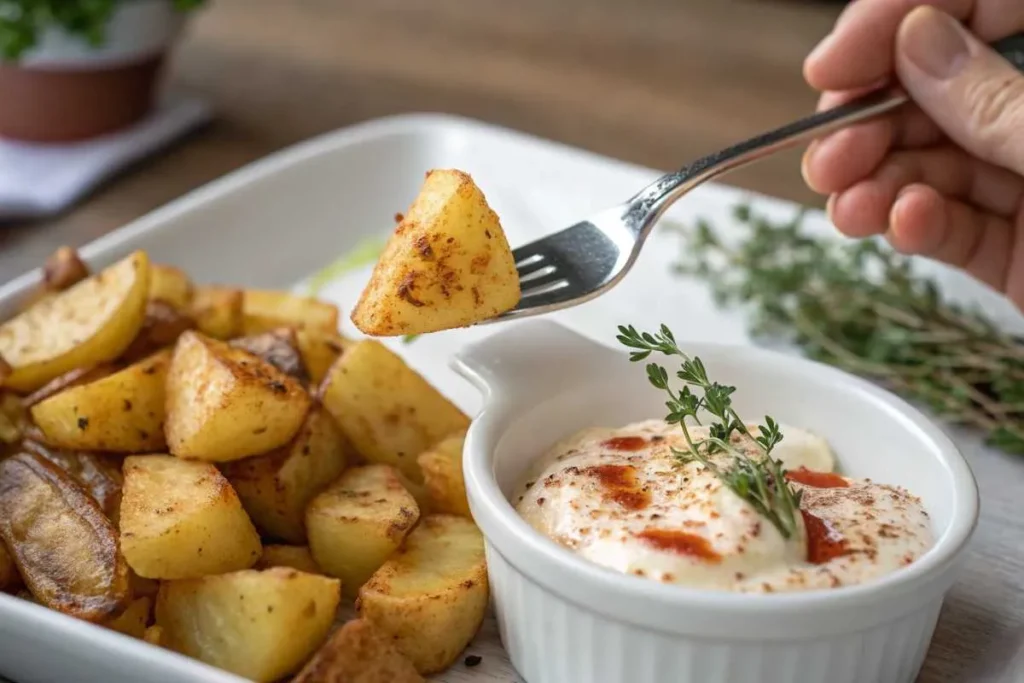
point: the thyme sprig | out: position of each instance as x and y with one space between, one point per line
861 307
759 481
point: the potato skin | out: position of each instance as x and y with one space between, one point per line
120 413
319 350
358 653
217 311
98 474
430 597
443 478
182 519
65 548
357 523
278 347
276 488
448 264
10 580
261 625
63 269
88 324
389 412
226 404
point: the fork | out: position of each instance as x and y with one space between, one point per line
585 260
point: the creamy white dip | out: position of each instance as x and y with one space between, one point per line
618 497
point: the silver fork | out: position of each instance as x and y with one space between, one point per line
587 259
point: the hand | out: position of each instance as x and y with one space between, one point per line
944 177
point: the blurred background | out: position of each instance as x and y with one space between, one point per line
654 82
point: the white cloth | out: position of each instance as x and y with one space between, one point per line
38 180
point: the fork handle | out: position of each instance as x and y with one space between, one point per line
651 202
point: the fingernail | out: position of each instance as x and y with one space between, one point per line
934 42
805 162
830 207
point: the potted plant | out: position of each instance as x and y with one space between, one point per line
75 69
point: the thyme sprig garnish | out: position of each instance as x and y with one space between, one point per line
761 481
861 307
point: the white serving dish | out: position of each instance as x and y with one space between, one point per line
566 620
276 221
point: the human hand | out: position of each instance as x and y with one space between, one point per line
943 177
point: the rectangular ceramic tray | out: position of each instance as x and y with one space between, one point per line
274 223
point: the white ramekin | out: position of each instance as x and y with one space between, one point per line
563 619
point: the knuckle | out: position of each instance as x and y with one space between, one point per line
996 108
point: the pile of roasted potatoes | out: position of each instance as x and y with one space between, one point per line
213 470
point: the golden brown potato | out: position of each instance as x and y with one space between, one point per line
154 635
13 419
98 474
182 519
294 556
65 548
10 580
278 347
120 413
217 311
5 370
386 409
358 653
133 620
90 323
265 310
75 378
442 474
226 404
261 625
160 329
63 269
319 351
430 597
171 286
447 264
358 522
276 488
143 588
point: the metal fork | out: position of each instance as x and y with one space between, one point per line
587 259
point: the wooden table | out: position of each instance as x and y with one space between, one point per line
655 82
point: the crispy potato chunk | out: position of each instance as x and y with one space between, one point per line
217 311
154 635
430 597
276 488
161 327
75 378
319 351
442 474
98 474
278 347
447 264
90 323
264 311
294 556
358 522
226 404
133 620
63 269
261 625
386 409
358 653
65 548
171 286
10 579
120 413
182 519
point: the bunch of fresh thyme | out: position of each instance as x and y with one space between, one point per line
861 307
759 481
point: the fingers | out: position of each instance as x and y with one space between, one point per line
972 93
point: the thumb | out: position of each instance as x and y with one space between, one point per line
975 95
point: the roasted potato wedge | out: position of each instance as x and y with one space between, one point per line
120 413
98 474
319 351
217 311
430 597
182 519
278 347
261 625
358 653
442 475
132 622
10 579
161 327
65 548
88 324
358 522
154 635
226 404
170 285
389 412
263 311
63 269
75 378
294 556
448 264
276 488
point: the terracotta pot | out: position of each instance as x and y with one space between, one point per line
63 90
